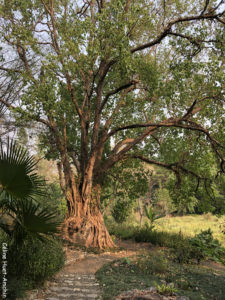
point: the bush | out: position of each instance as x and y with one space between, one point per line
121 210
30 263
184 252
208 246
202 246
37 260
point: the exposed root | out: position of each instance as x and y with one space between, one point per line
89 232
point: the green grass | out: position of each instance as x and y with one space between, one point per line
189 226
192 224
196 282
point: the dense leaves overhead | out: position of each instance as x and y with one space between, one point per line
112 80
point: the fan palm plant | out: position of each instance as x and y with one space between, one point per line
21 215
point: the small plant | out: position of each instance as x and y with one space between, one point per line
126 261
166 289
152 217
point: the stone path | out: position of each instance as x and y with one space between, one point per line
79 287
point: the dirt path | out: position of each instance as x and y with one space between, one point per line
77 279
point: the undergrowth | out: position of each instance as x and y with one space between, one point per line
161 271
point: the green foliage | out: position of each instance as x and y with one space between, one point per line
129 182
36 260
121 210
18 178
160 238
162 201
54 200
198 248
121 231
19 184
152 217
32 255
184 253
30 263
208 246
166 289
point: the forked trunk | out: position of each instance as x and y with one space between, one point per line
84 224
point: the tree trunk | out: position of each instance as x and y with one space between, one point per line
84 225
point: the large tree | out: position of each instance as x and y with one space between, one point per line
115 80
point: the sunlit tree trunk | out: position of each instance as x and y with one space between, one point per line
84 223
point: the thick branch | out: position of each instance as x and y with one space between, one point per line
167 29
176 168
116 91
61 181
103 70
205 7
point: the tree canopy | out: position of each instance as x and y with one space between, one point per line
116 80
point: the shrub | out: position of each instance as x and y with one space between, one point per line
208 246
30 263
200 247
121 210
184 252
35 259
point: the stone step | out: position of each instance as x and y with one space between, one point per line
73 296
73 289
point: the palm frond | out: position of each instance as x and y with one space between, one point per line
34 219
18 184
29 218
5 227
17 172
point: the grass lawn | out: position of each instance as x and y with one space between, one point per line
193 224
195 281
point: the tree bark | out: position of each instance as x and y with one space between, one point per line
84 223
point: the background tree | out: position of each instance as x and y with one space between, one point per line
126 74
